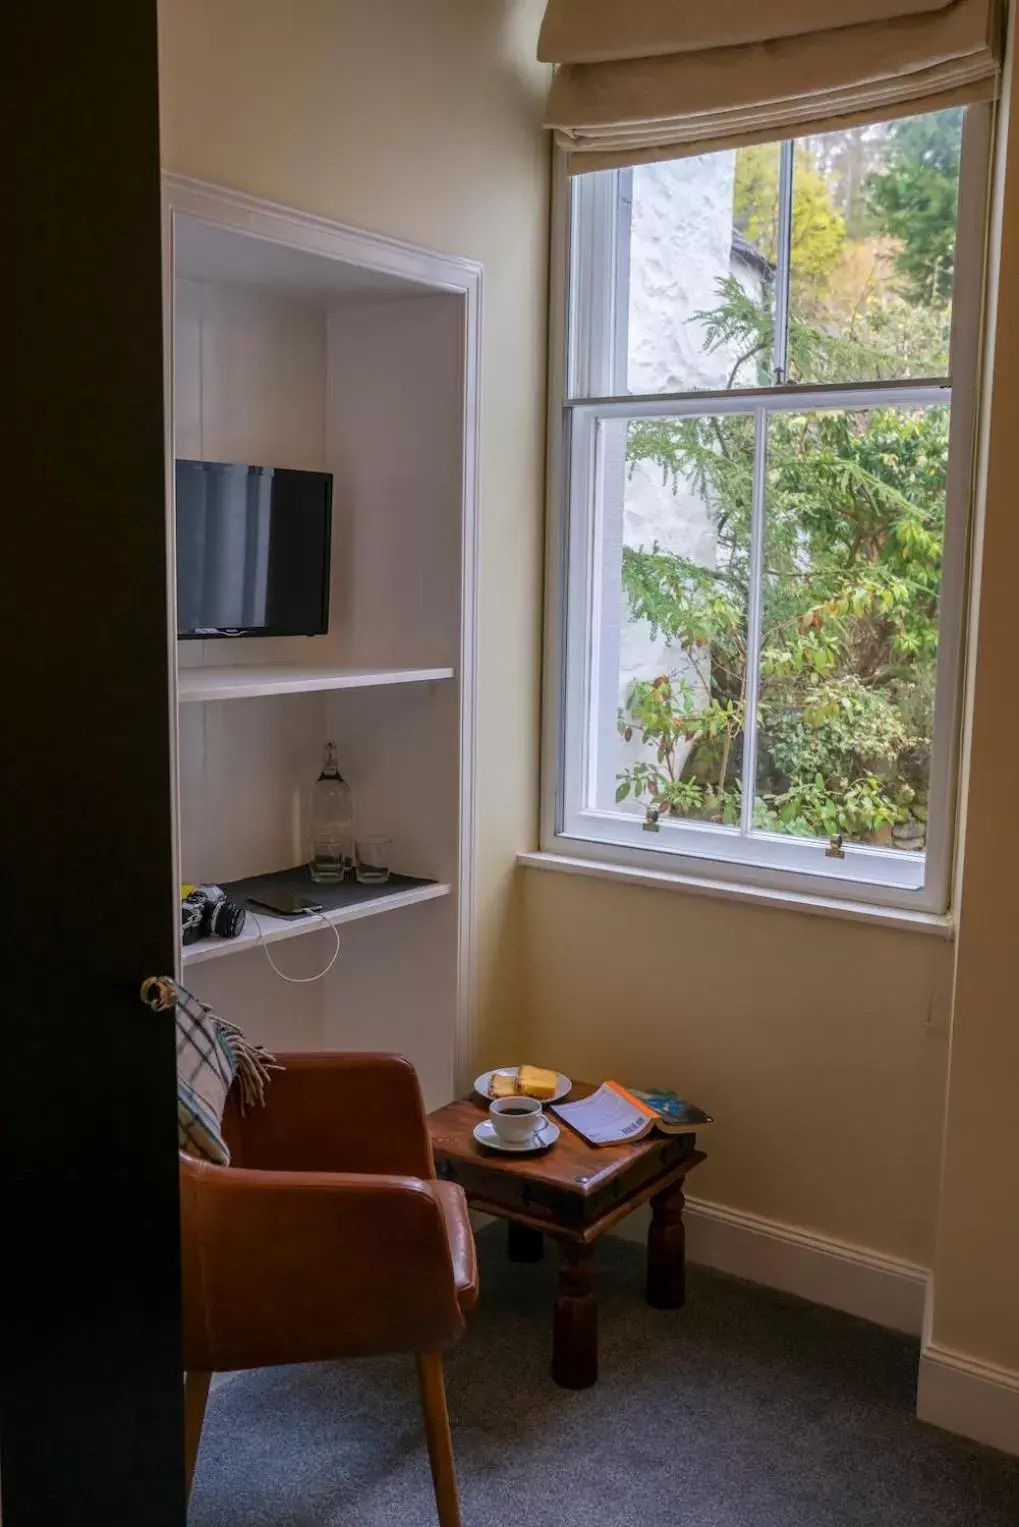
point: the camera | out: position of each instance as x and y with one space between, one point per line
207 912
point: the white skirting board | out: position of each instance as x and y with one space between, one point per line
958 1393
835 1273
962 1394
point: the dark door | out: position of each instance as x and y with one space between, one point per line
92 1412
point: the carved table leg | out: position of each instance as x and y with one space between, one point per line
666 1251
523 1242
575 1327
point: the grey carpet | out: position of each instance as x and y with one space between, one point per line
747 1409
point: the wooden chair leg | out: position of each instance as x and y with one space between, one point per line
196 1393
440 1445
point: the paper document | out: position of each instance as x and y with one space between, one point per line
609 1116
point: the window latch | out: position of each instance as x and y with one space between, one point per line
650 823
835 849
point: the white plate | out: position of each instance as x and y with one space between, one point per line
562 1083
545 1135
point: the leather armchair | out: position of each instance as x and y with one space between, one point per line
327 1236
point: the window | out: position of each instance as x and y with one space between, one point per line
766 471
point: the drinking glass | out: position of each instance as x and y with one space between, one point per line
373 854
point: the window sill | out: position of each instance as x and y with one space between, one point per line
939 925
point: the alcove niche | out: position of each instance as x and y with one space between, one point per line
296 342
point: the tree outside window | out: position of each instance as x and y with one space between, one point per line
855 509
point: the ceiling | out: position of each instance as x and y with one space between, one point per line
204 252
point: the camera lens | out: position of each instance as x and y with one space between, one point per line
226 919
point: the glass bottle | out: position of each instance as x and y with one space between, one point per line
332 822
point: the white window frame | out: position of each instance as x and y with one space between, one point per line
580 589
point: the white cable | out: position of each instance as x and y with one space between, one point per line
299 980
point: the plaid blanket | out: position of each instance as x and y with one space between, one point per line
210 1054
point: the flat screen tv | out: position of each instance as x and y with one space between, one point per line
252 550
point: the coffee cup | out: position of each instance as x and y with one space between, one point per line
515 1119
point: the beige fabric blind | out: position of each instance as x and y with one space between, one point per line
597 31
647 80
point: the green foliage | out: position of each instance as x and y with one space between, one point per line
887 340
913 197
817 807
855 514
755 196
871 278
849 621
670 714
819 231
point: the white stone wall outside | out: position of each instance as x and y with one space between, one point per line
681 247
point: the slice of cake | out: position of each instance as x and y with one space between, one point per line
502 1085
533 1082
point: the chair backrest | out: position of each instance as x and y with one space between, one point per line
334 1112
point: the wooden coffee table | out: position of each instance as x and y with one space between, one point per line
574 1192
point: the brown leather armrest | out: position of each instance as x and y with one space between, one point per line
336 1112
308 1266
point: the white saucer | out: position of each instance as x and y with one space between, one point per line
482 1083
545 1135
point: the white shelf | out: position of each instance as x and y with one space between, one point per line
247 680
275 929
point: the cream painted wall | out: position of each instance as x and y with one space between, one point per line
976 1285
419 119
823 1046
819 1045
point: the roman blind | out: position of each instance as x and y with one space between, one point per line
642 80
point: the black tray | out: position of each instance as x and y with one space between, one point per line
343 893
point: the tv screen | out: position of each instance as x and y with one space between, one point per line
252 550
